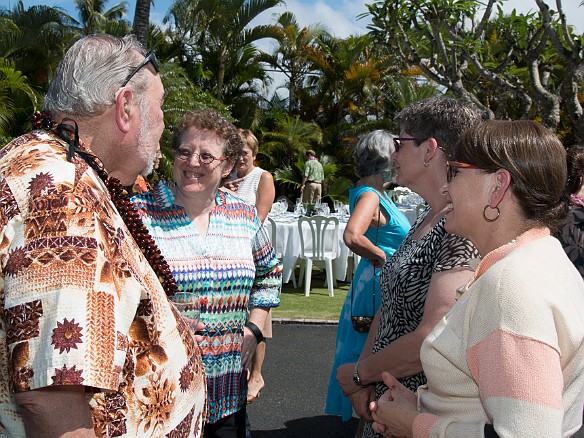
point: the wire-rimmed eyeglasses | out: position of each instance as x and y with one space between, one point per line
185 154
453 166
150 58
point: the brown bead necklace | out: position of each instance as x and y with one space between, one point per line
119 196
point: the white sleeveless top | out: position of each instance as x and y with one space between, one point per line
248 187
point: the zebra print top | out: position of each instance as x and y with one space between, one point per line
405 279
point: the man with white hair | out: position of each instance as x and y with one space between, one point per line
92 344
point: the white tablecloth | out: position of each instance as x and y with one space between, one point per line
288 245
409 211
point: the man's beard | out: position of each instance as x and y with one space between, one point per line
143 138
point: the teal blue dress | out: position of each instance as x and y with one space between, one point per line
349 342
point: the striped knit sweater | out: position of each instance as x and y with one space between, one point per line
511 350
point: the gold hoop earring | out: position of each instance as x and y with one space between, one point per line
426 164
485 213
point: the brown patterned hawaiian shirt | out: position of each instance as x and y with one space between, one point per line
82 306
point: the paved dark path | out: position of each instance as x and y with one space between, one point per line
296 371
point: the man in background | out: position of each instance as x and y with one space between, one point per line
312 178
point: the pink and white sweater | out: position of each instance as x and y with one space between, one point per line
511 350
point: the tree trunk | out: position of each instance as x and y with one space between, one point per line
141 21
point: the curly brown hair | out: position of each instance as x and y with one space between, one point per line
211 120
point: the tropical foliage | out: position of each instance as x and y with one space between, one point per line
333 89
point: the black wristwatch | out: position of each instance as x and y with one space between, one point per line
256 331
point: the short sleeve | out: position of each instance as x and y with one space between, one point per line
454 252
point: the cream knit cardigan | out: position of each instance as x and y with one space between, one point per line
511 350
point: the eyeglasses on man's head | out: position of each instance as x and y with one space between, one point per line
150 58
453 166
397 141
185 154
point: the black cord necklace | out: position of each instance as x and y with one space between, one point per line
119 195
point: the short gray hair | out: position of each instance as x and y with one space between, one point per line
91 72
441 118
372 153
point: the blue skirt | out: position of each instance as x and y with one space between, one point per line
349 343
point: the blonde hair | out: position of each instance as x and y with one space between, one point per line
249 140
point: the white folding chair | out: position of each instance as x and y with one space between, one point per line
319 245
270 225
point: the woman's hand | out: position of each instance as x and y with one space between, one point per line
378 261
345 379
248 347
394 413
232 185
361 401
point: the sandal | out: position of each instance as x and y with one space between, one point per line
251 397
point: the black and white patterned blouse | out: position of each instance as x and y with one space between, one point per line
405 279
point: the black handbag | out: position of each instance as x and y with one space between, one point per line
362 324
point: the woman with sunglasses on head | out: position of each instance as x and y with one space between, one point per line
508 359
374 231
215 246
418 283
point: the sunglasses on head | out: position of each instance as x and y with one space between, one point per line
453 166
397 141
150 58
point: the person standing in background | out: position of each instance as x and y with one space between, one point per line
256 187
375 230
312 177
251 183
92 345
571 234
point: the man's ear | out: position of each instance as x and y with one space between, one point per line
123 105
502 181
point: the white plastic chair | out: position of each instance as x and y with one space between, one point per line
270 225
319 245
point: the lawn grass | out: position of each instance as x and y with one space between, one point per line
294 305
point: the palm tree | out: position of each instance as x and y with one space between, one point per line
35 39
14 87
142 20
289 139
346 79
216 30
291 57
94 18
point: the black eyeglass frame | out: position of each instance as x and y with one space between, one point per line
397 141
150 58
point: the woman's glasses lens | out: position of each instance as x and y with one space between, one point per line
397 144
450 172
185 155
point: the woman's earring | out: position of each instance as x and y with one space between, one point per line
491 219
426 163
